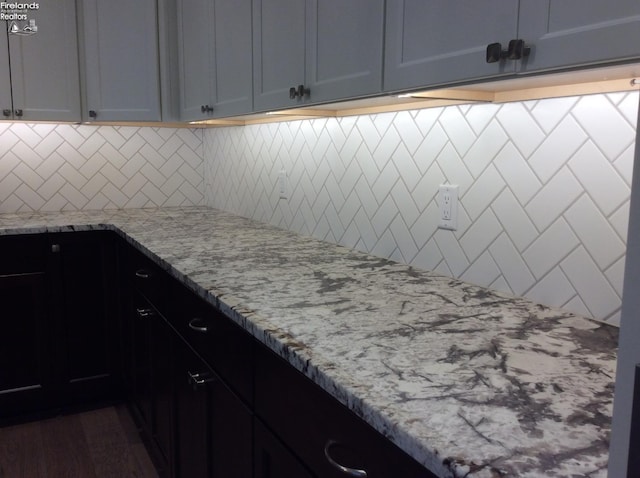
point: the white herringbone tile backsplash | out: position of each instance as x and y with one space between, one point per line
544 190
54 167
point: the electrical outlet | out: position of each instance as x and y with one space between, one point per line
448 203
283 185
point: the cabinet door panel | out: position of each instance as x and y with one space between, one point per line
344 47
5 74
121 59
565 33
231 425
285 399
25 375
444 41
87 320
224 346
233 65
279 51
196 57
140 356
162 370
44 66
191 414
272 459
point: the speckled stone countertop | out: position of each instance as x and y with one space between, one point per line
468 381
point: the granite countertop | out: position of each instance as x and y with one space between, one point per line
468 381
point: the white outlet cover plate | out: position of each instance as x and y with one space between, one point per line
448 206
282 184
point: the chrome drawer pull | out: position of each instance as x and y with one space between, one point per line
199 380
143 313
347 471
197 325
143 274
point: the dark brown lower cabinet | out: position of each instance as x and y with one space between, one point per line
213 426
210 402
327 437
59 324
26 376
194 422
162 385
272 459
192 381
88 323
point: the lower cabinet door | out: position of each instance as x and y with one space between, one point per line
162 386
272 459
139 328
88 348
25 374
231 428
192 379
327 437
213 426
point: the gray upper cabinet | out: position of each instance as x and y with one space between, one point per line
316 51
215 58
6 102
278 51
344 48
572 33
444 41
43 74
121 60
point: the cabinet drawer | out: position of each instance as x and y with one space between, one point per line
148 278
319 430
23 253
225 346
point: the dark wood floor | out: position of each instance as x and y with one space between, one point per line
101 443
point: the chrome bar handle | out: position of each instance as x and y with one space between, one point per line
143 274
199 380
354 472
145 312
197 324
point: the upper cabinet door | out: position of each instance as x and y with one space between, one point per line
44 65
215 58
6 105
121 60
278 52
233 55
344 48
569 33
445 41
196 58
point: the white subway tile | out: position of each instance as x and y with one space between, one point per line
518 175
514 219
553 199
482 271
482 192
458 130
599 178
596 234
549 113
607 127
557 149
593 288
524 132
552 289
480 235
551 247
